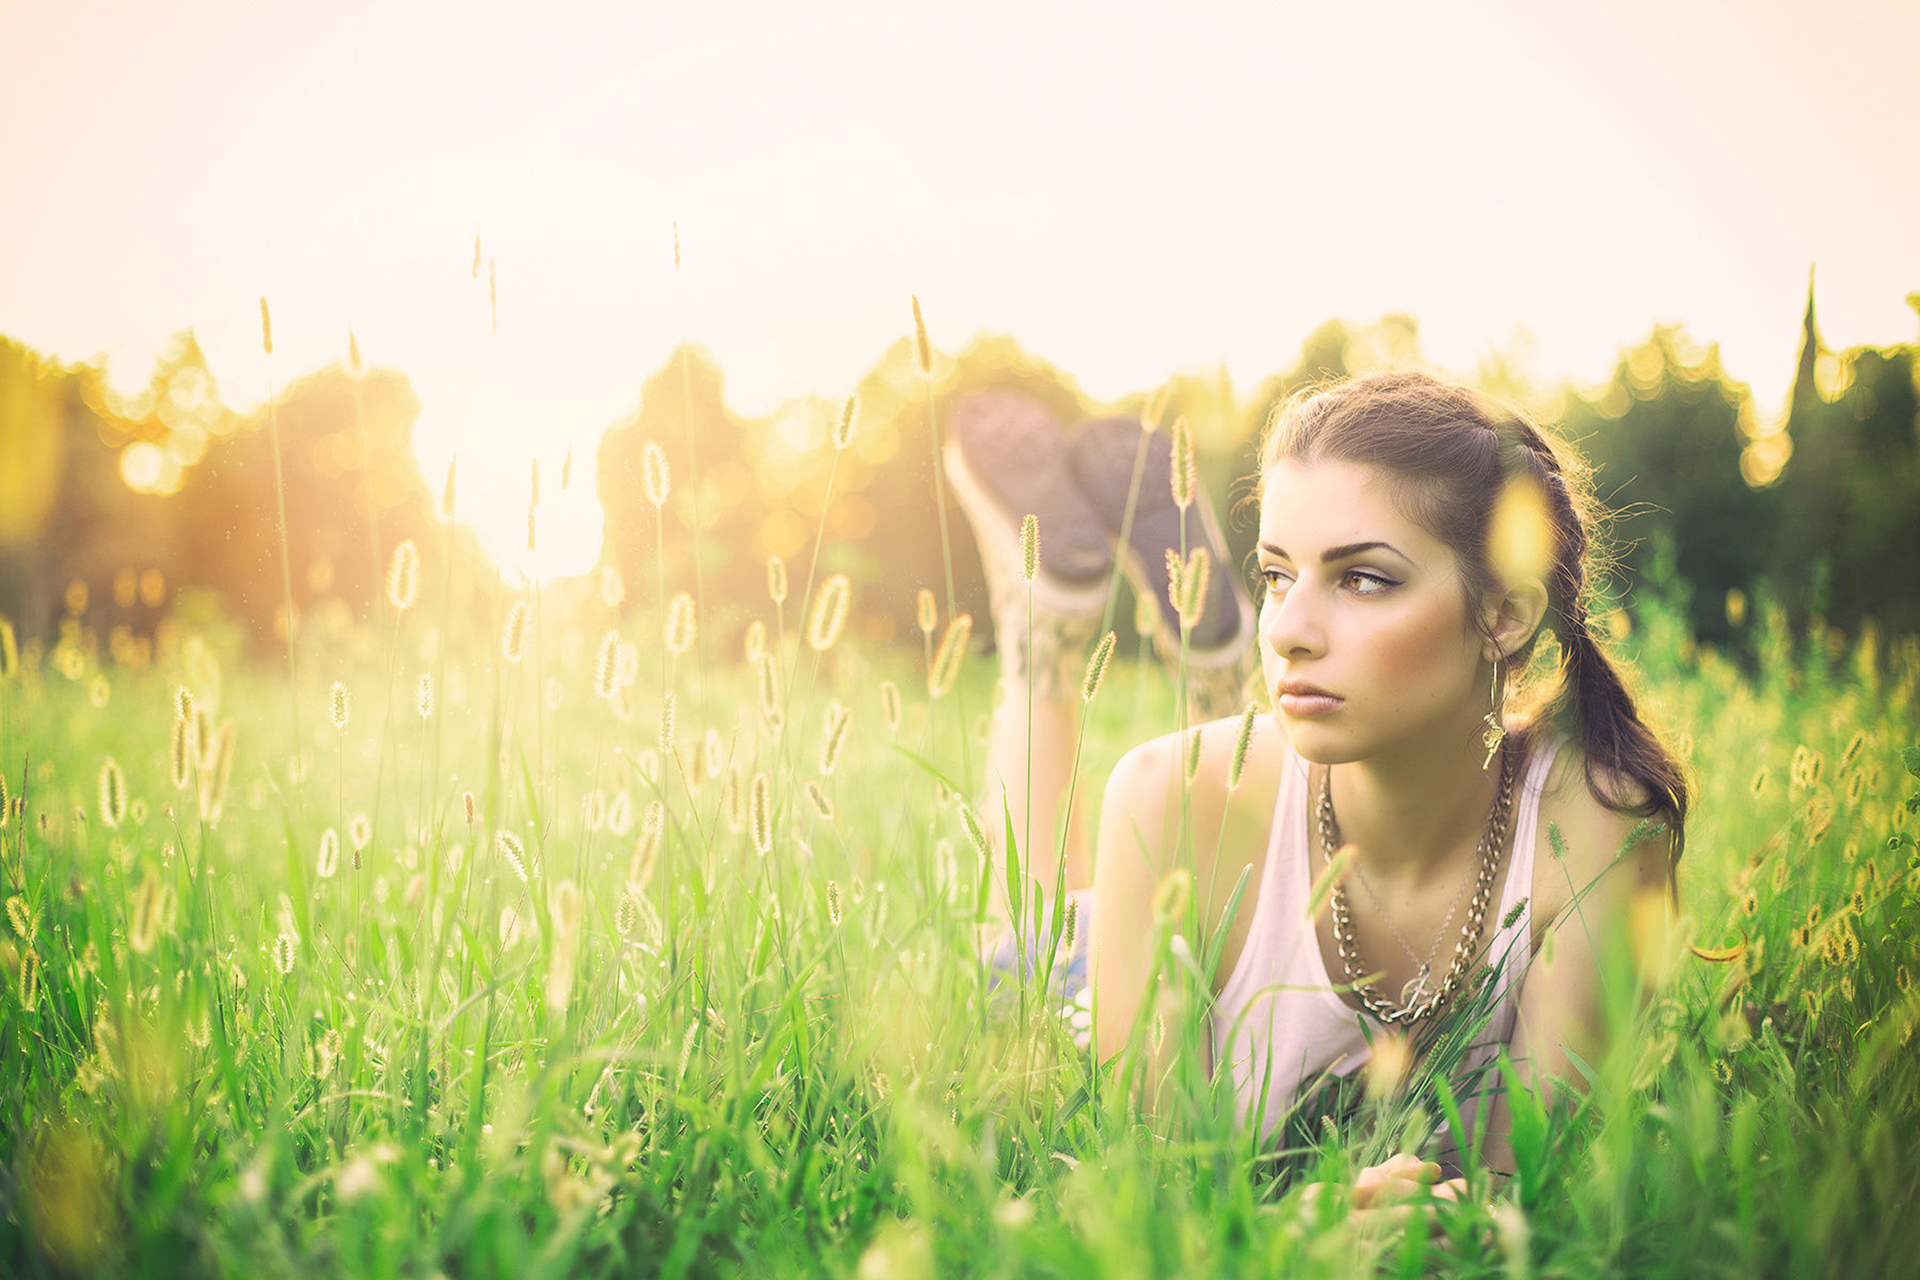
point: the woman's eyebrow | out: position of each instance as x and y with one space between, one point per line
1340 552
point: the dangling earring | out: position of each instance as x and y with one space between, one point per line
1495 732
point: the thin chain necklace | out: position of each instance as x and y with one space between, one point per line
1416 1001
1417 985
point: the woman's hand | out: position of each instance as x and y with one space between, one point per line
1386 1194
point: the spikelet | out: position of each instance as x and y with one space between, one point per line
182 702
9 650
360 831
448 492
769 685
471 806
714 754
733 800
1184 475
952 653
1758 787
756 640
29 980
666 725
283 952
21 917
1097 667
6 803
646 849
113 793
266 328
655 476
626 914
843 433
829 612
834 915
760 814
926 612
605 664
613 588
1193 587
818 799
1030 546
838 718
1193 754
177 755
1854 746
922 349
329 860
626 665
532 541
776 579
890 705
339 709
975 834
1174 568
620 813
403 576
513 851
423 695
1171 897
1240 746
679 635
513 636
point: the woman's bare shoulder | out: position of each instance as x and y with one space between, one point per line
1230 788
1590 834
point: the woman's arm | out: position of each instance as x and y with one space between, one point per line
1134 856
1615 931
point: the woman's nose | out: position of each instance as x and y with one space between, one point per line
1288 625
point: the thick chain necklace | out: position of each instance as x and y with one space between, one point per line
1417 1001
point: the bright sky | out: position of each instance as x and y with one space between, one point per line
1131 190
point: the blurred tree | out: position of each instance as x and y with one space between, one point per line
1665 440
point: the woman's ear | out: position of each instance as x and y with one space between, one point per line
1513 615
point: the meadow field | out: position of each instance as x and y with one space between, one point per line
595 939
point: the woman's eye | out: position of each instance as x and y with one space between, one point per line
1379 585
1278 579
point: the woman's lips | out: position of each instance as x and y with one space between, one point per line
1310 704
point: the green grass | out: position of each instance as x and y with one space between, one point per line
708 1075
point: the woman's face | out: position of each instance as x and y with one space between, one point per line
1365 604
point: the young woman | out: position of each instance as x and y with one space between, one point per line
1415 545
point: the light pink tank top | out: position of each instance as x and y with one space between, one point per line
1278 1012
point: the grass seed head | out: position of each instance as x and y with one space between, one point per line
423 695
1097 667
360 831
449 491
613 589
182 702
605 664
1193 754
403 576
339 708
646 850
926 612
890 705
733 800
666 725
843 434
1070 931
113 794
1240 746
655 475
1030 546
680 623
756 640
838 718
625 915
467 803
715 753
760 814
329 860
776 579
20 916
834 915
818 799
1192 602
266 328
284 945
1184 472
951 655
830 609
513 635
769 685
514 852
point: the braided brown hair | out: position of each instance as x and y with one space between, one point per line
1448 454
